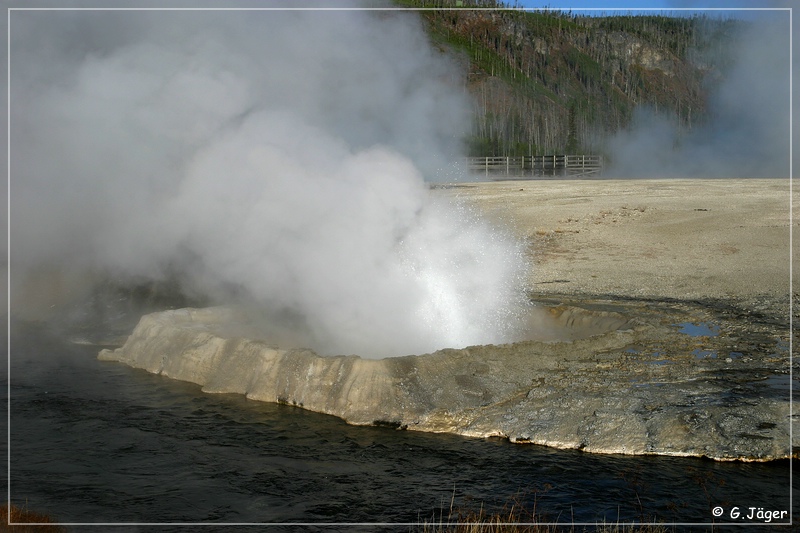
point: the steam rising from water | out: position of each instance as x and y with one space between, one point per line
747 130
276 156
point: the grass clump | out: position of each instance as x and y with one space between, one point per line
512 523
23 521
514 518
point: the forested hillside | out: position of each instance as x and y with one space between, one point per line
548 82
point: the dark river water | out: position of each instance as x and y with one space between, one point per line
98 442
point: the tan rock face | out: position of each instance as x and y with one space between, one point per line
612 391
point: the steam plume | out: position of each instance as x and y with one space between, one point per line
747 131
280 156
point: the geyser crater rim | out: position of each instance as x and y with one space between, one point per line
543 323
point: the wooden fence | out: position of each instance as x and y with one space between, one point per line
536 166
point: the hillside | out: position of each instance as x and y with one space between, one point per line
548 82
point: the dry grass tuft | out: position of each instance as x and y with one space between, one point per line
23 517
508 524
514 518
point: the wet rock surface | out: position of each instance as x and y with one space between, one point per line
619 376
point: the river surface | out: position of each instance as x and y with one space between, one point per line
94 441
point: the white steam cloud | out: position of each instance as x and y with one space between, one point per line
747 130
277 155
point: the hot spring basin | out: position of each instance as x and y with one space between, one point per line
605 377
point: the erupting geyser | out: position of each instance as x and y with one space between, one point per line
273 159
349 244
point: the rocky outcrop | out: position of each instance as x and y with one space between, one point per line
606 393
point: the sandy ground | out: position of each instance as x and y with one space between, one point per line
690 239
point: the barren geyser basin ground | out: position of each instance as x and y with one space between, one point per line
660 326
673 238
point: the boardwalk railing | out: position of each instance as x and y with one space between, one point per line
536 166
